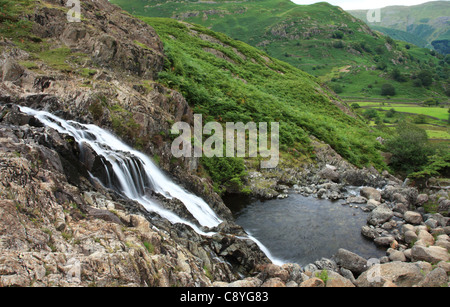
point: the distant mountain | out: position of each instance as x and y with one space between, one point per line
320 39
426 25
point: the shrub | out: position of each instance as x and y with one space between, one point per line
426 77
226 173
388 90
371 114
410 148
338 34
391 113
397 75
337 88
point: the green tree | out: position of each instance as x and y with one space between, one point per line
426 77
439 165
397 75
410 149
388 90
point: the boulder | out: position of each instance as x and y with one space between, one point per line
401 274
274 283
432 254
369 232
396 255
444 207
443 241
12 71
334 280
330 174
422 199
371 193
313 282
380 215
372 204
436 278
410 237
425 238
350 261
384 241
412 217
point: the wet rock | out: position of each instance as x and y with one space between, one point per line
369 232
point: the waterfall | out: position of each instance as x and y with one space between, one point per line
134 174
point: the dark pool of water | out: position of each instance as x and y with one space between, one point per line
303 229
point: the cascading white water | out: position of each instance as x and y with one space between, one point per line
135 173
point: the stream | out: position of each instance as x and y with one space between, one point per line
303 229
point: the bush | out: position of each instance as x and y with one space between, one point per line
426 77
338 34
391 113
410 149
226 173
338 45
388 90
337 88
371 114
397 75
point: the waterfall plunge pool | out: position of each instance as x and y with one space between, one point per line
303 229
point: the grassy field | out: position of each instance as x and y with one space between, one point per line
440 113
434 120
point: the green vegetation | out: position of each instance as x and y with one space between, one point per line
229 81
319 39
226 173
410 149
323 275
438 166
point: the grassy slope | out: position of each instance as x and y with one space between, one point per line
241 83
305 37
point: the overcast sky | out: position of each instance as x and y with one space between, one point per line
363 4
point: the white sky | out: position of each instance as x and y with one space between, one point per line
363 4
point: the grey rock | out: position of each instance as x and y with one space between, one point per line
412 217
350 261
371 193
432 254
380 215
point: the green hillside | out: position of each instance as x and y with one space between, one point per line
425 23
229 81
320 39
